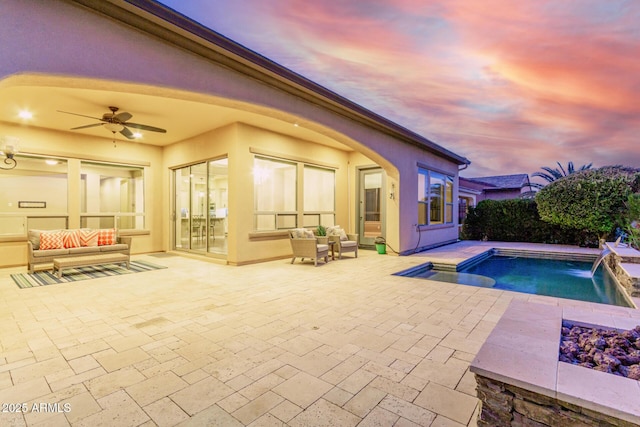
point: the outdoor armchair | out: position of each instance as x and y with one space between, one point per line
305 245
344 242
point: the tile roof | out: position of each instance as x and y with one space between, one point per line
503 181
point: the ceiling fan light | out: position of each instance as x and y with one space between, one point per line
114 127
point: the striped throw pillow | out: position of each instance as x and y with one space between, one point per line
88 237
106 236
51 240
71 238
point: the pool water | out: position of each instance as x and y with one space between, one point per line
555 278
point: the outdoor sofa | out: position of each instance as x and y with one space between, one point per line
46 245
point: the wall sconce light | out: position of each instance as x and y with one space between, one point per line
392 193
9 149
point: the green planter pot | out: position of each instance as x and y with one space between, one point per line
381 248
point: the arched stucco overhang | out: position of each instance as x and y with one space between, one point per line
48 93
36 89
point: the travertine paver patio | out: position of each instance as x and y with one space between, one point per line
199 343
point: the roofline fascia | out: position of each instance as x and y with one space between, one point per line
469 190
162 22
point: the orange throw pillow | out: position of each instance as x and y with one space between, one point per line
88 237
71 239
51 240
106 236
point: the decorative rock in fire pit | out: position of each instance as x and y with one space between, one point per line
605 350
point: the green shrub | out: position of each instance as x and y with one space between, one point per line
591 200
631 220
517 220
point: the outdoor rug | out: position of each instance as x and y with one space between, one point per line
46 277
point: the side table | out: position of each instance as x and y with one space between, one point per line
332 245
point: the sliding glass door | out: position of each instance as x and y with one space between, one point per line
218 213
200 194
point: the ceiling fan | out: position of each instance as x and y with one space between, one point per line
116 122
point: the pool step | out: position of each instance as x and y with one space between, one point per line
440 266
415 270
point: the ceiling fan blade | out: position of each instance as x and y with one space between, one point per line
87 126
126 132
145 127
122 117
81 115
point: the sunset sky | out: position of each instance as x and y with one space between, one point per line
511 85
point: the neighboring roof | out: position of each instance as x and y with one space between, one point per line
502 182
165 23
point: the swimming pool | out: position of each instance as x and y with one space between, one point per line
550 277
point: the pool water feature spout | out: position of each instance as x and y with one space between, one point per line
605 251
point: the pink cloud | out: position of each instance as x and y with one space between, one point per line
511 85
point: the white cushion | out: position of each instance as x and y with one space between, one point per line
301 233
336 230
296 233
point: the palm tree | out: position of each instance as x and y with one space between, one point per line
556 173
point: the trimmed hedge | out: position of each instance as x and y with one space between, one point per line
592 200
517 220
631 222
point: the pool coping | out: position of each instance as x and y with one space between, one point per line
522 350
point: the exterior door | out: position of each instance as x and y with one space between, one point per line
200 213
198 217
191 202
371 212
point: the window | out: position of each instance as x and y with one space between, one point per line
111 196
33 195
319 196
291 194
435 198
275 187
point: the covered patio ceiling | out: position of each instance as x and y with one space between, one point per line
181 118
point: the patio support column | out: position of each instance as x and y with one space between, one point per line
393 225
73 193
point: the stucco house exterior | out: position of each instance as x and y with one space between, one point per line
251 149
